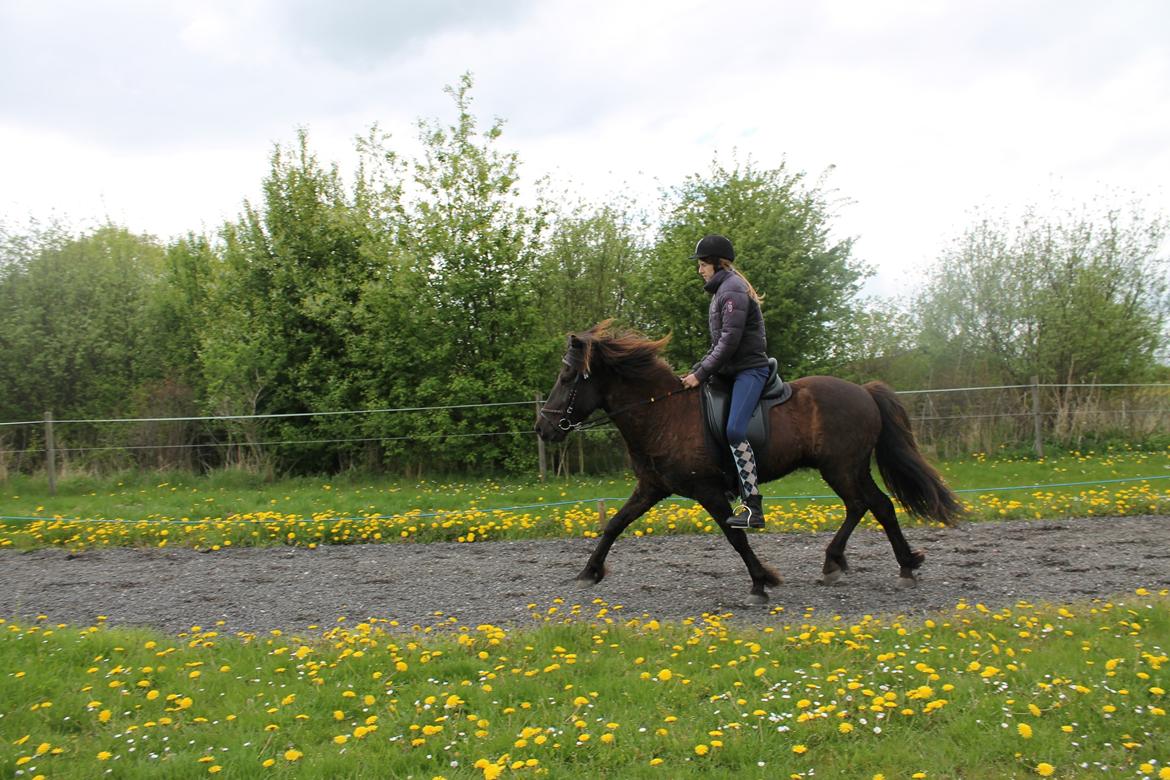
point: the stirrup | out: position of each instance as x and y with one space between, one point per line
744 517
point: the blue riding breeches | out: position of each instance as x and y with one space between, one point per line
745 394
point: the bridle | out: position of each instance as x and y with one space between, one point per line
565 423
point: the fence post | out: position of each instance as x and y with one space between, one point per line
540 442
601 512
50 454
1037 431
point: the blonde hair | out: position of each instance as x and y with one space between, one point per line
720 264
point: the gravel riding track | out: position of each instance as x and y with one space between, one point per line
669 577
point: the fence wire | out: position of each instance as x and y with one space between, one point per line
947 421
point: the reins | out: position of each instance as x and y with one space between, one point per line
566 425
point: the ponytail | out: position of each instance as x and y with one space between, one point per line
755 296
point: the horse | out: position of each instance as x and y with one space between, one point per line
829 424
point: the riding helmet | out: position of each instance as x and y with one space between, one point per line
714 245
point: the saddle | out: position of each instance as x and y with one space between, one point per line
716 406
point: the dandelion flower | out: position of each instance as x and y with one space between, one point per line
1025 730
1045 769
292 754
701 750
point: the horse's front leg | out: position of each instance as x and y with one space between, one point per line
643 497
763 577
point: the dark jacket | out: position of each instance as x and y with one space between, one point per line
737 328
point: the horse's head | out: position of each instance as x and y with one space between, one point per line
575 395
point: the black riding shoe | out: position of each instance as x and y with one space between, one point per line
749 514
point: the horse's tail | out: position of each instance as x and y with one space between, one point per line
913 481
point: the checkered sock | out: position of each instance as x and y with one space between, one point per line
745 467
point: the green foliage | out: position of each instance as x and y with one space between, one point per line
587 273
75 325
475 245
1072 298
780 226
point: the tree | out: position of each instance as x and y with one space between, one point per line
473 242
1074 297
73 318
296 266
780 226
593 254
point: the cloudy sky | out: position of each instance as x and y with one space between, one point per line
161 115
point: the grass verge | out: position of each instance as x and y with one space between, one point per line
227 510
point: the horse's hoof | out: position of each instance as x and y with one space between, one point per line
584 583
830 578
908 579
756 600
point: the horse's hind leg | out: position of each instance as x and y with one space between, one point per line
855 508
763 577
883 510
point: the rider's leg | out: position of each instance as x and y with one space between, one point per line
745 394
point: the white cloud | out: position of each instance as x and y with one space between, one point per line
162 114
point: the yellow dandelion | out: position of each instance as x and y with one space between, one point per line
701 750
1024 730
1045 769
104 755
292 754
799 749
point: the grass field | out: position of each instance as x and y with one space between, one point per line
233 509
1075 690
1071 691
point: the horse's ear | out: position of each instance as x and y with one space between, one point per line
575 342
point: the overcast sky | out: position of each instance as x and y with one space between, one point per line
161 115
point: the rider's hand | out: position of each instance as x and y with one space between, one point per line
689 381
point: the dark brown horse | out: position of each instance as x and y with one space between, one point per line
828 424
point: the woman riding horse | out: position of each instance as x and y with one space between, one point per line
828 424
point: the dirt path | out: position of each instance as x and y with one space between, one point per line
669 578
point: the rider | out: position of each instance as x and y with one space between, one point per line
738 352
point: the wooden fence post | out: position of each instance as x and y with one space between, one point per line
1037 430
50 454
601 512
540 442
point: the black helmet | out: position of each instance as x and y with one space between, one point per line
714 245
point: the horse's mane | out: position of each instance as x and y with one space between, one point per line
625 352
